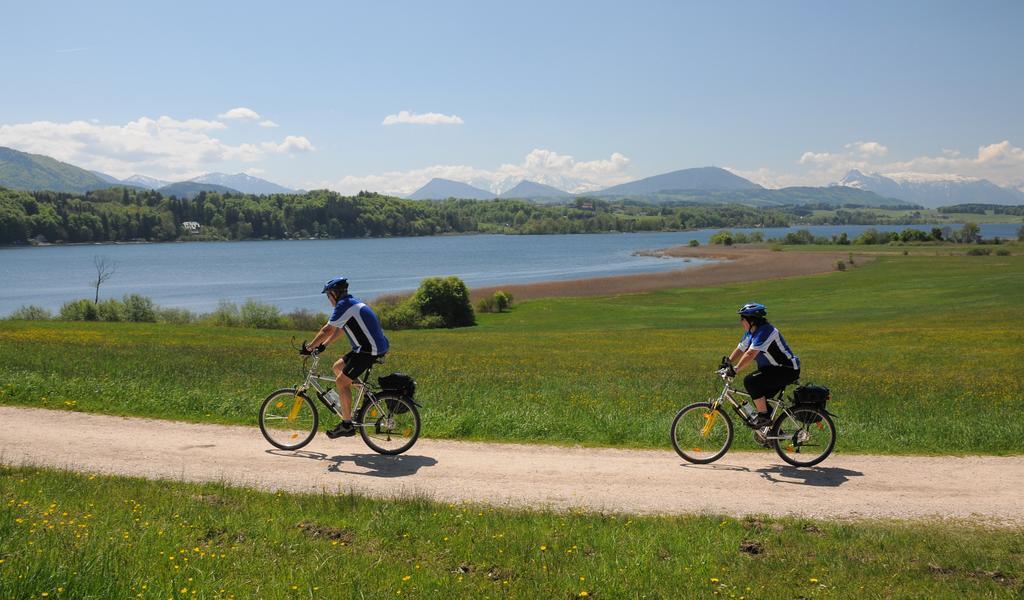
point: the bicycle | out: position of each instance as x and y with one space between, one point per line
703 432
388 420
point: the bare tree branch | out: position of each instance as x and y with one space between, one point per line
105 268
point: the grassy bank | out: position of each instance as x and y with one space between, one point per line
918 350
75 536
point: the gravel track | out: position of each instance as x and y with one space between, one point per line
986 489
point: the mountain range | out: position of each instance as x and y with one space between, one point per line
932 191
440 189
24 171
703 185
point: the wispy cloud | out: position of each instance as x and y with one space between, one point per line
70 50
411 118
268 123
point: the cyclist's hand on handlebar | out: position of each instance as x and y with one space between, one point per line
320 349
304 350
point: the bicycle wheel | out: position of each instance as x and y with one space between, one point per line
390 425
701 435
288 419
804 437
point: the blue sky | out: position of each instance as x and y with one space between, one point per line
578 94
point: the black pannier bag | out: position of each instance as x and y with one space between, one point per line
400 385
815 396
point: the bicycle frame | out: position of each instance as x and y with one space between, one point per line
313 379
776 403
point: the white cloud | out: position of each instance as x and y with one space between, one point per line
291 143
268 123
163 147
867 149
1000 162
542 166
240 113
422 119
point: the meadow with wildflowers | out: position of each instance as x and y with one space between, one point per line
918 350
68 535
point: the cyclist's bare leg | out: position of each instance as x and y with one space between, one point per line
344 386
761 405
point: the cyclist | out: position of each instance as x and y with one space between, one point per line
777 366
362 327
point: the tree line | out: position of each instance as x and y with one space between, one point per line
122 214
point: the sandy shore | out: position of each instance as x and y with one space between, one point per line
737 264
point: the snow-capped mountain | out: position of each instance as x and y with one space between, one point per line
244 183
143 181
931 190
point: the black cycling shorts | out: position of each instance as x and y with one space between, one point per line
356 363
767 381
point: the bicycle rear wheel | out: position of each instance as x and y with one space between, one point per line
391 425
804 437
288 419
701 435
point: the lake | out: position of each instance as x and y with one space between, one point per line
290 273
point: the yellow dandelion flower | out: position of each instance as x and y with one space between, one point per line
814 580
714 580
543 548
584 593
407 578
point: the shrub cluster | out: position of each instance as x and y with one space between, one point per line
728 238
439 302
499 302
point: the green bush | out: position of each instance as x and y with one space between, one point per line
406 315
31 313
305 320
502 300
79 310
694 243
260 315
111 310
1003 252
175 316
486 305
447 298
722 238
840 265
979 251
226 315
139 309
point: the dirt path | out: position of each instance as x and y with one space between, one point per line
738 264
635 481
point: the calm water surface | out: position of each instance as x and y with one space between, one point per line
289 273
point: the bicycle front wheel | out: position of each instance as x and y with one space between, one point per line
804 436
701 435
288 419
391 425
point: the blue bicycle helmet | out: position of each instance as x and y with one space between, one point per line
753 309
336 284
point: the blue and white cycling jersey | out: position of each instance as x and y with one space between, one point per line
774 350
360 324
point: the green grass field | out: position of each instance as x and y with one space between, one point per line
920 353
82 536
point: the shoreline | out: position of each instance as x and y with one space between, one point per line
734 265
